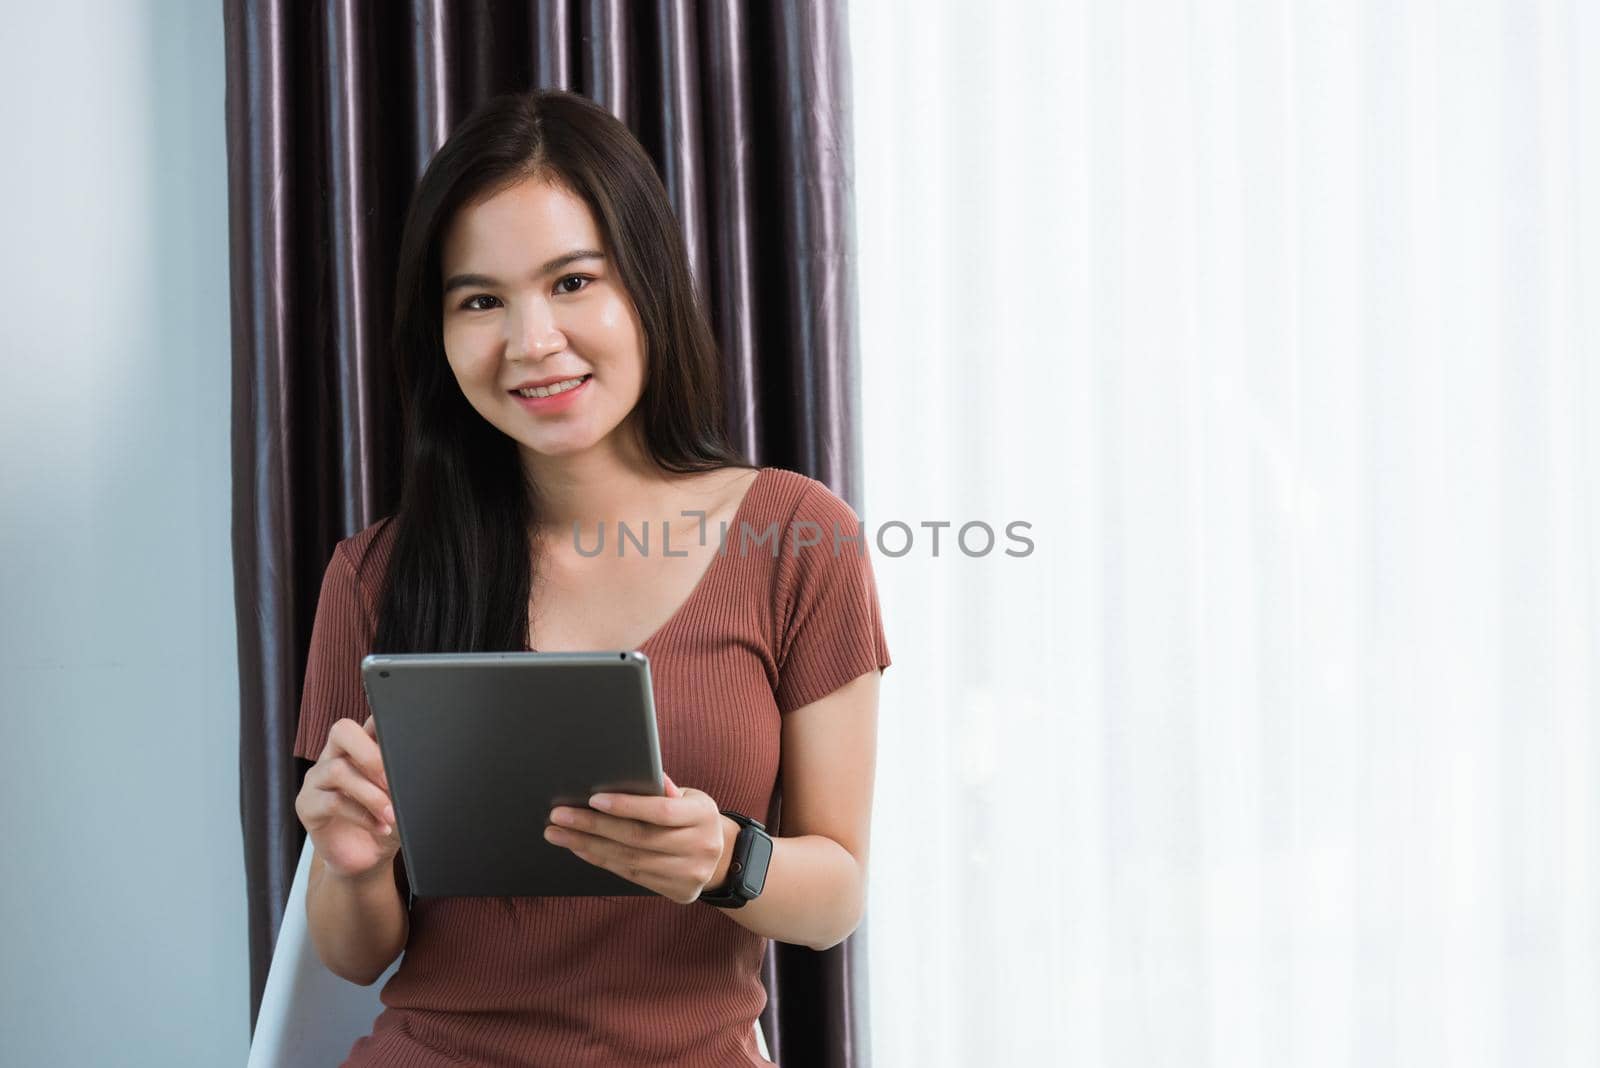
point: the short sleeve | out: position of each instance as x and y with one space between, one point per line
830 629
340 636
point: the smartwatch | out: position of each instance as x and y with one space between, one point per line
747 868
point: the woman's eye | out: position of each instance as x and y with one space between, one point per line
471 303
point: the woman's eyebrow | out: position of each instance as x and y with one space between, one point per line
458 281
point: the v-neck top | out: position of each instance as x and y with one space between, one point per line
785 613
728 536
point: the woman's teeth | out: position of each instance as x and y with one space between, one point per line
550 391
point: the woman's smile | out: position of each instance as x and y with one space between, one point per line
558 397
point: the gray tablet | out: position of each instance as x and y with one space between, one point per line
479 747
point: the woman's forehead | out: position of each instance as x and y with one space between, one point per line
529 222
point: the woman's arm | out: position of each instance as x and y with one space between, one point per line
815 889
816 885
358 926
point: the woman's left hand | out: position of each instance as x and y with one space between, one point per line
672 845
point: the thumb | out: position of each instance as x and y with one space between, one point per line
672 787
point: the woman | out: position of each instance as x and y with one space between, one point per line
559 379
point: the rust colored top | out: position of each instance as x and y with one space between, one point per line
625 980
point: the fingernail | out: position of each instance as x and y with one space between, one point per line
601 802
387 830
388 813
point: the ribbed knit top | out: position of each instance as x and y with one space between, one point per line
773 624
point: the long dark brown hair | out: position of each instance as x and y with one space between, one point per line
460 569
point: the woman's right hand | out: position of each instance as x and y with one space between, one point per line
344 803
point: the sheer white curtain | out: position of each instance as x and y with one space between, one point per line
1279 324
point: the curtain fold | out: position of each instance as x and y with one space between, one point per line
333 111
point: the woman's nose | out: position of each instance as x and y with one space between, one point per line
534 331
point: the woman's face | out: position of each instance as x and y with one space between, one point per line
529 298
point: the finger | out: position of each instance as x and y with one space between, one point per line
672 787
349 810
324 806
344 778
649 870
348 739
338 772
644 836
371 729
662 811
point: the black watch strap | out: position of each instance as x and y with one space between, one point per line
747 867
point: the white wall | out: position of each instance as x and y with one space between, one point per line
123 883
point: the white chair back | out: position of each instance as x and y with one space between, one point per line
308 1014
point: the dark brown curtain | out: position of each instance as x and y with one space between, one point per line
333 110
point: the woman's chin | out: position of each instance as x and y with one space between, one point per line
556 446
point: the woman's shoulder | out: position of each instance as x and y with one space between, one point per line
794 516
801 498
366 552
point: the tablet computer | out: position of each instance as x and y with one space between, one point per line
479 747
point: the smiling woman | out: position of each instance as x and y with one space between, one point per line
503 339
556 370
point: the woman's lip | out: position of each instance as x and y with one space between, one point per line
552 381
555 403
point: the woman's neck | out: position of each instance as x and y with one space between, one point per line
599 485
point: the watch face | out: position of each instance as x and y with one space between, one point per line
754 875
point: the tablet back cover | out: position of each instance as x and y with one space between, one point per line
479 747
